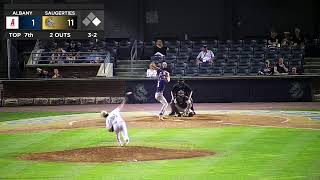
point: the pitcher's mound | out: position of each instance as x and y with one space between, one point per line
114 154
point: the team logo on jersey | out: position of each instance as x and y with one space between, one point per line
12 22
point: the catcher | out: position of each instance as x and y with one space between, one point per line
181 100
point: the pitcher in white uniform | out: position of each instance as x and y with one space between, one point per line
115 123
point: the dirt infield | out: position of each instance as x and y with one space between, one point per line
115 154
199 121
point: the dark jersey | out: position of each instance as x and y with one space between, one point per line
281 69
298 40
162 50
182 86
162 81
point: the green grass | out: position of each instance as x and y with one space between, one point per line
9 116
242 153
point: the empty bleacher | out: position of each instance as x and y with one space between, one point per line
232 58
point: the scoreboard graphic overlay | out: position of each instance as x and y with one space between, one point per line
45 21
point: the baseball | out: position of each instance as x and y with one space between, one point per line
129 93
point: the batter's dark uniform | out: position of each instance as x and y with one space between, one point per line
181 92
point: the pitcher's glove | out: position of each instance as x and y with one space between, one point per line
111 129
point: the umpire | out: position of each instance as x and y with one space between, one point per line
181 99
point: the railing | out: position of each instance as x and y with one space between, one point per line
64 58
133 54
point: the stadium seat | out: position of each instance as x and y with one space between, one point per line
113 52
192 72
212 44
216 71
254 70
243 71
247 50
256 62
124 50
297 50
284 51
148 50
112 44
261 57
186 44
222 51
260 50
224 43
259 43
233 57
271 56
295 63
205 66
171 59
237 43
244 62
245 56
297 56
197 45
231 63
172 52
235 50
178 72
184 51
214 50
194 56
184 59
204 72
229 71
172 44
219 63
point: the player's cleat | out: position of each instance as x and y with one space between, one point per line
172 114
127 142
161 117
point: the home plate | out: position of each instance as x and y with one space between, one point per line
178 120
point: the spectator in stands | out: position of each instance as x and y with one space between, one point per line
42 73
266 69
56 74
72 52
95 57
205 56
294 71
280 68
159 49
298 38
57 56
286 41
152 72
273 41
165 67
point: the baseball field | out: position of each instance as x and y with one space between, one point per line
256 143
